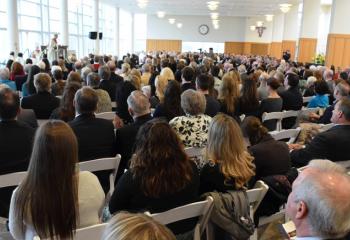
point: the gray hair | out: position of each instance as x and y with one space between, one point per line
85 72
104 72
93 80
42 82
328 74
138 103
4 73
328 217
193 102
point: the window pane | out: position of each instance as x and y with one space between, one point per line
54 26
3 22
28 8
29 23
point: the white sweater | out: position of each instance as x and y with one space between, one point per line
91 199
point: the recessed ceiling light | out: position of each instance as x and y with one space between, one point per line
161 14
269 17
171 20
285 7
213 5
179 25
214 15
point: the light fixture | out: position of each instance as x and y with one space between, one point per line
171 20
142 3
179 25
269 17
161 14
259 27
285 7
214 15
216 26
213 5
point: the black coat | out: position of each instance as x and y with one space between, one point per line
110 87
332 144
292 100
43 103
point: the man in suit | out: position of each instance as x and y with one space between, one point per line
114 77
331 144
203 83
43 102
139 109
188 75
292 98
16 139
315 204
106 83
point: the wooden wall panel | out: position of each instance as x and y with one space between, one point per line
247 48
260 48
234 47
338 50
276 50
307 49
289 45
163 45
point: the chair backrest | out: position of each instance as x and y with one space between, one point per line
103 164
307 99
290 134
256 195
12 179
200 209
325 127
273 116
91 232
106 115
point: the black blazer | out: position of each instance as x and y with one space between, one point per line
116 78
16 140
125 140
212 107
43 103
332 144
110 87
28 116
188 85
271 157
292 100
95 137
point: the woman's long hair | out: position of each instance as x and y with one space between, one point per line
172 100
227 149
66 109
229 91
160 160
48 196
253 129
249 96
30 79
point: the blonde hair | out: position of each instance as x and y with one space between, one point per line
127 226
160 83
227 148
229 91
167 73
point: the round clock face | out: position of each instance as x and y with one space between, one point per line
203 29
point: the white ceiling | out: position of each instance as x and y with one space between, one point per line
239 8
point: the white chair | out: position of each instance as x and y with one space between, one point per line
307 99
114 104
255 196
12 179
197 209
345 164
273 116
242 117
103 164
106 115
91 232
290 134
42 121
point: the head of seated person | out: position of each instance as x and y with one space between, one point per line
315 204
291 80
42 82
253 130
93 80
341 90
125 226
192 102
203 83
138 104
85 101
4 74
104 72
321 87
9 104
188 74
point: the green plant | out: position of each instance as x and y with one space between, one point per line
319 59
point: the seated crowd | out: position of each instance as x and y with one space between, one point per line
165 103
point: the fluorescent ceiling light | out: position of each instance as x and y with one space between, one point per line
259 23
269 17
179 25
285 7
161 14
214 15
171 20
213 5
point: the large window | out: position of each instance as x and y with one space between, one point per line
140 32
107 27
125 21
3 34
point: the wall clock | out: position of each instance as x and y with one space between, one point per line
203 29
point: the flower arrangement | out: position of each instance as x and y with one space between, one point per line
319 59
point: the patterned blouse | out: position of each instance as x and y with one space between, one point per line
192 130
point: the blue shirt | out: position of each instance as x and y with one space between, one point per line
321 101
9 83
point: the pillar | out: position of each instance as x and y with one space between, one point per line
12 29
95 26
290 31
64 38
116 37
132 32
277 36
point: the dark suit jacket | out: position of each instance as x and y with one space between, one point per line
327 115
110 87
20 80
95 140
125 140
16 140
332 144
116 78
292 100
212 107
186 86
43 103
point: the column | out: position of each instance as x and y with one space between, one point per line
132 32
277 36
64 23
338 44
95 26
309 30
116 36
12 29
290 31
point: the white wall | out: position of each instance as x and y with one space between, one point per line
310 18
278 27
231 29
323 28
339 21
291 26
253 36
